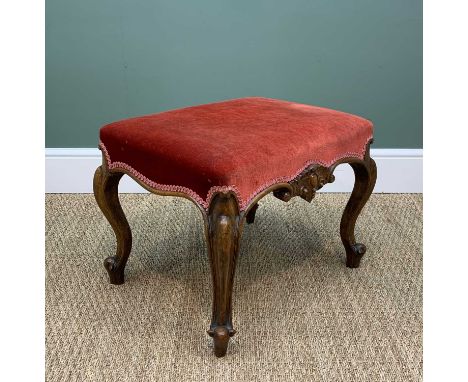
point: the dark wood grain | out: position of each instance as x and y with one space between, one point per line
306 184
224 224
105 186
365 173
224 233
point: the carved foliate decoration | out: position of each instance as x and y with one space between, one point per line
306 184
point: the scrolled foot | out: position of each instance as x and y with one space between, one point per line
105 186
354 256
365 173
116 273
223 247
221 336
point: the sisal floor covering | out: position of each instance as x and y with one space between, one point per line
300 314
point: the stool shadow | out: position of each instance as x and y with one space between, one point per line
273 244
163 248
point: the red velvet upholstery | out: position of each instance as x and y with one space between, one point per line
244 144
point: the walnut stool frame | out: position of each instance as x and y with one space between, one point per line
224 222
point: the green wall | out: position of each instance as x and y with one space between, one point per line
111 59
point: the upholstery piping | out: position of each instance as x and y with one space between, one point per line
243 204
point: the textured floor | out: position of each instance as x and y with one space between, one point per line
301 315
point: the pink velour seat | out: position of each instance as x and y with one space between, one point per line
244 145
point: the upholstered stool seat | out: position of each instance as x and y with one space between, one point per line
246 145
225 157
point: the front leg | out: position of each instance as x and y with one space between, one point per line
223 247
365 173
105 188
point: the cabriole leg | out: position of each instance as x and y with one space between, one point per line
365 173
105 188
250 218
223 247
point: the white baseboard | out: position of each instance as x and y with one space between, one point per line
399 171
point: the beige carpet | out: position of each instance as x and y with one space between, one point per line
301 315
